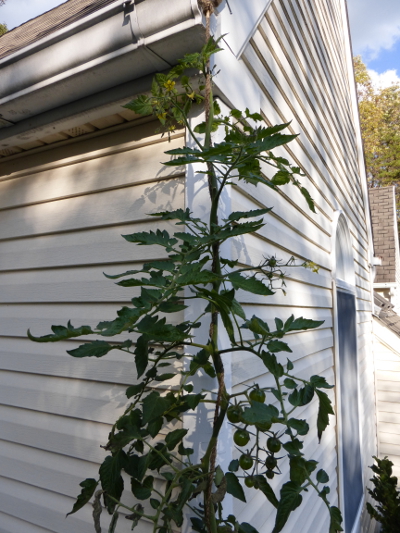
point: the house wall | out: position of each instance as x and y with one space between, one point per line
387 362
62 212
297 66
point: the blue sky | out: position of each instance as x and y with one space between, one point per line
375 28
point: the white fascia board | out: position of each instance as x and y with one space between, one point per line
241 21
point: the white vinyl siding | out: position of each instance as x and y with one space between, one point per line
297 61
63 210
387 362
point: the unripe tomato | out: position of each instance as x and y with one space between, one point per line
249 482
245 462
270 474
270 462
224 529
263 426
273 445
241 437
257 395
233 414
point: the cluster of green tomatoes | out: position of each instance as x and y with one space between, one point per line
241 438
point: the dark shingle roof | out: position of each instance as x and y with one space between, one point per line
386 313
47 23
384 231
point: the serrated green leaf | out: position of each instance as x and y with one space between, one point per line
289 501
235 113
62 333
320 382
154 427
174 438
300 324
146 238
252 284
234 487
134 389
88 488
282 177
238 215
301 396
272 364
92 349
172 306
111 479
141 354
289 365
193 400
308 198
298 470
276 346
273 141
233 465
142 491
141 105
262 484
300 426
117 276
247 528
290 383
154 406
322 476
325 409
184 451
259 413
293 447
219 476
335 525
165 377
256 325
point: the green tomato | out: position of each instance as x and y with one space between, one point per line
270 474
234 413
263 426
224 529
245 462
241 437
270 462
273 445
249 482
257 395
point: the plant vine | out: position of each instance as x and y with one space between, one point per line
165 483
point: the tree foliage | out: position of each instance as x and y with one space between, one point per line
386 496
3 26
380 128
168 479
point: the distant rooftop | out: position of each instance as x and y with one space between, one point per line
35 29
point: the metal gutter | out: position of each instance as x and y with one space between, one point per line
114 46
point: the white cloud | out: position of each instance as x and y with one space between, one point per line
375 25
386 79
16 12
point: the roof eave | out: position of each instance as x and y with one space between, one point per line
122 44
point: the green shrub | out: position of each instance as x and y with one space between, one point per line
387 496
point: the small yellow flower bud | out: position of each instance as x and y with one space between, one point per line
169 85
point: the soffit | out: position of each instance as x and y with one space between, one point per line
88 128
